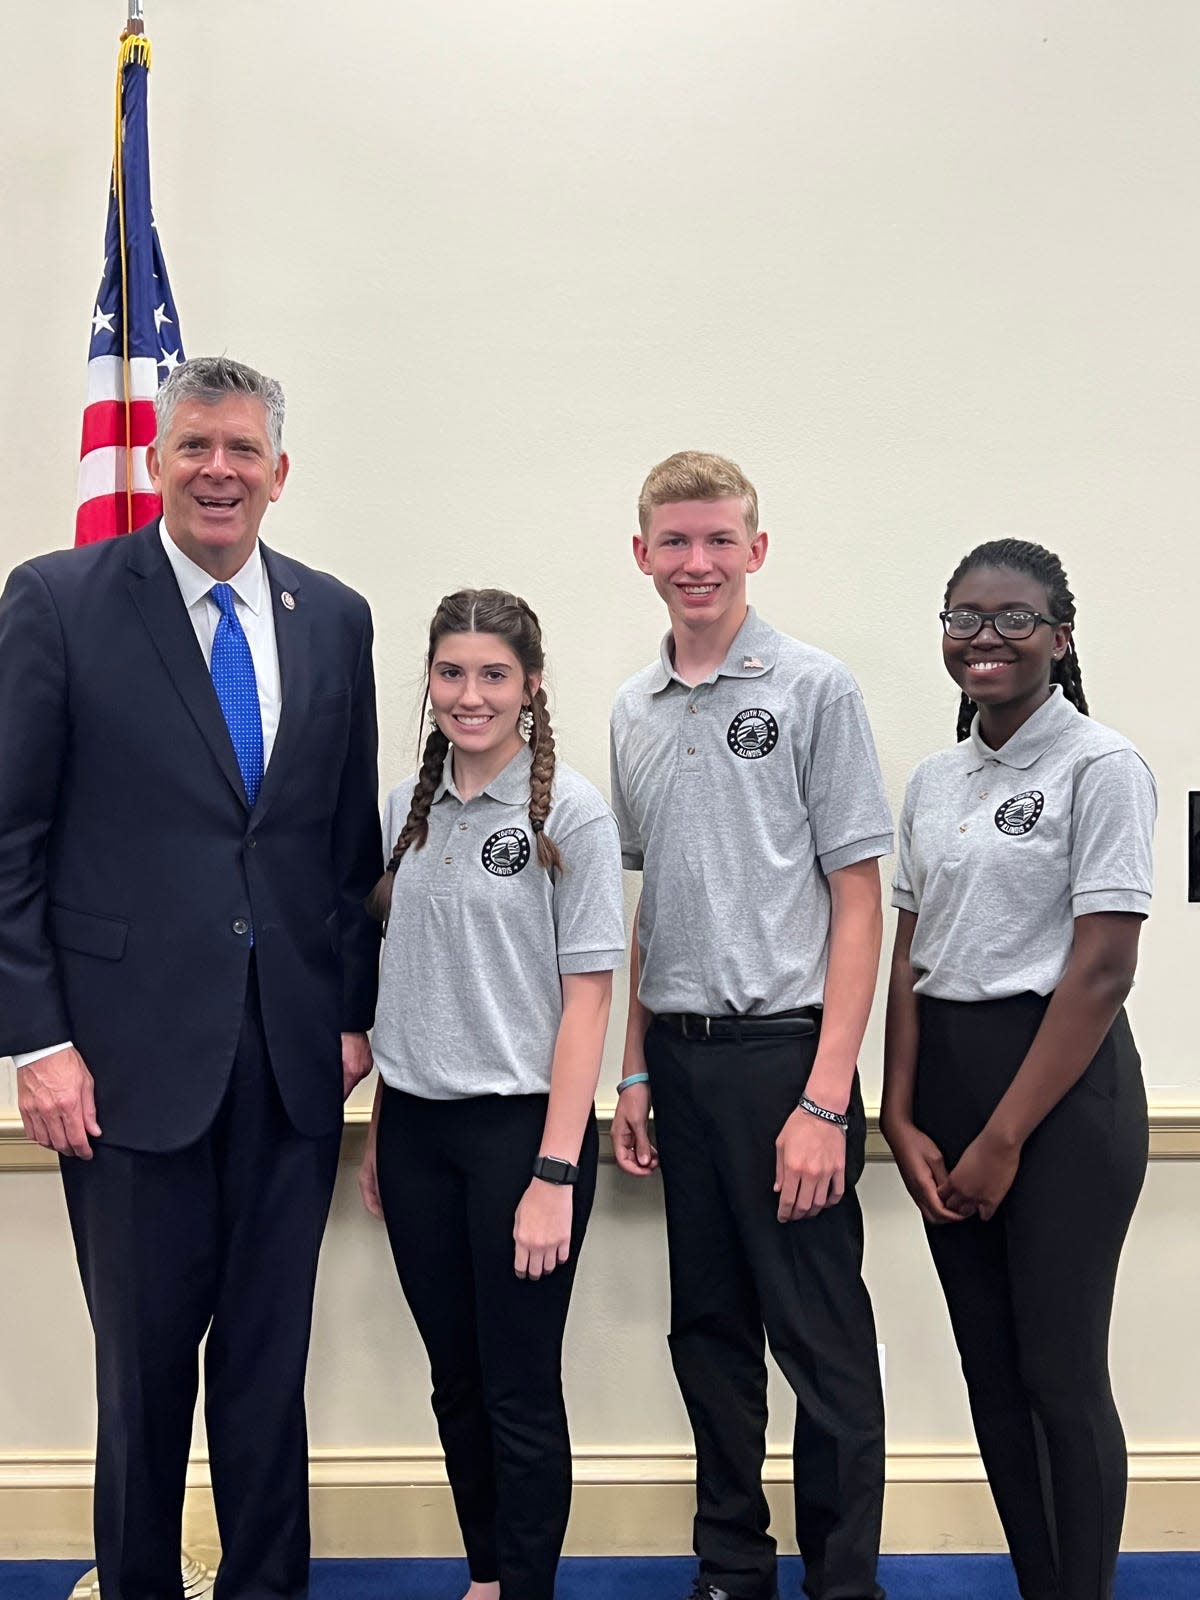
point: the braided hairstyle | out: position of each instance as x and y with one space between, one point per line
512 619
1036 562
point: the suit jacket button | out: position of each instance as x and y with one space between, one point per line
240 925
250 843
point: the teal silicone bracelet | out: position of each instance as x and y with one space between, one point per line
634 1077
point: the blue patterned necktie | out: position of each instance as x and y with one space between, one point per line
237 690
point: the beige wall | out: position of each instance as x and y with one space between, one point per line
926 269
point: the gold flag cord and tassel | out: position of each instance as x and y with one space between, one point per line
135 50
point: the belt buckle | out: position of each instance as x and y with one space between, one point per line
708 1027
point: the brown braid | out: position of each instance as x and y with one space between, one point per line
1036 562
541 781
416 826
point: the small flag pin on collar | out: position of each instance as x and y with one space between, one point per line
751 661
288 601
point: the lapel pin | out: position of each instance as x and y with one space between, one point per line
288 601
751 661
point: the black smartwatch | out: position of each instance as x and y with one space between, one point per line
553 1169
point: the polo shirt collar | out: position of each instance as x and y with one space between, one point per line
752 653
194 583
510 785
1031 740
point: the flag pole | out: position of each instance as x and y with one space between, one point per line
196 1576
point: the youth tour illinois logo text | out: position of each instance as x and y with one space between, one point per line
752 734
506 852
1019 814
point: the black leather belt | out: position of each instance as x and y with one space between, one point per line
779 1025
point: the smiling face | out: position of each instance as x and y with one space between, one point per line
698 553
217 474
477 689
1004 677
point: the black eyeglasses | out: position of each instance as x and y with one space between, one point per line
1014 622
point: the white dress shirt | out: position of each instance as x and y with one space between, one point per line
252 603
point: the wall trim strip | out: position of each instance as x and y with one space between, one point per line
393 1501
1174 1136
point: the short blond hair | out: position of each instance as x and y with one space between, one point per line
697 475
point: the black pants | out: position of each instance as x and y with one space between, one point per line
451 1173
736 1271
222 1236
1030 1293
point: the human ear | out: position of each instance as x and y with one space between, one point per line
280 477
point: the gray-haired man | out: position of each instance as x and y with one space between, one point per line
186 971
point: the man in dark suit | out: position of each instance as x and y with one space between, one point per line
188 830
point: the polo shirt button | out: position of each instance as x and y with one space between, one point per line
962 827
692 709
449 859
240 925
691 749
462 827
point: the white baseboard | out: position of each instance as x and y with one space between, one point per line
395 1502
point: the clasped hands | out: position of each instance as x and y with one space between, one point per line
976 1186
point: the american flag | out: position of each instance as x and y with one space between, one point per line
135 329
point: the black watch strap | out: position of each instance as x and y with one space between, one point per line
553 1169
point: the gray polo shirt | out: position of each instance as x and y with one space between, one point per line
470 992
1000 850
736 798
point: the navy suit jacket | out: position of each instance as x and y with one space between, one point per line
131 864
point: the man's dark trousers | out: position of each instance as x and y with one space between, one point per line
737 1273
223 1236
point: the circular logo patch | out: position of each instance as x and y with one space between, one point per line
1019 814
506 852
752 734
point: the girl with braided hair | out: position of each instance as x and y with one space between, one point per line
503 906
1013 1099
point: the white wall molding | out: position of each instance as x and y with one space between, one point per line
1174 1136
394 1501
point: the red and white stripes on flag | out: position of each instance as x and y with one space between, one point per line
135 336
114 445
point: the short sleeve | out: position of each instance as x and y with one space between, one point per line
632 846
847 806
1112 828
904 896
589 906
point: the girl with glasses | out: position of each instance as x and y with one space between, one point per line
502 899
1013 1098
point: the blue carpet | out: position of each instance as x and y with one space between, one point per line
1140 1577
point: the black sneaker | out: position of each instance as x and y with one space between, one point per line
709 1591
